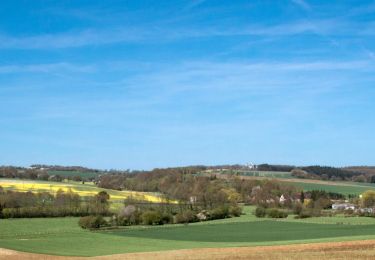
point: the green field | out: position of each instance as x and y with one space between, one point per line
269 174
252 173
74 173
62 236
345 188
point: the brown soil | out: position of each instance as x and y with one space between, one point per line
322 251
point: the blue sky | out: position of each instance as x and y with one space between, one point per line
144 84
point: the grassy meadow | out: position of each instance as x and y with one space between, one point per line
345 188
74 173
62 236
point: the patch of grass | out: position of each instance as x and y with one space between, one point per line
252 173
338 187
74 173
268 174
251 232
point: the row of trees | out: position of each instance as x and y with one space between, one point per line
160 214
43 204
333 174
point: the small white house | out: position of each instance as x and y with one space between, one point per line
193 199
366 210
282 199
343 206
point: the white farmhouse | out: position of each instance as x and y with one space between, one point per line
282 199
343 206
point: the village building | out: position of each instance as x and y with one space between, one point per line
343 206
282 199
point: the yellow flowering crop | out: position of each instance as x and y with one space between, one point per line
84 190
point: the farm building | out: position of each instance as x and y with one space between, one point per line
366 210
282 199
343 206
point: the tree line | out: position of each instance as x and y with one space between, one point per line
15 204
333 174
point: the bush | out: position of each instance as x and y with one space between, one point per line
260 212
166 218
129 215
235 211
304 214
91 222
308 213
186 217
219 212
275 213
297 209
152 217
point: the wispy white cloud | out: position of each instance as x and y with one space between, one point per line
302 3
47 68
193 4
71 39
92 37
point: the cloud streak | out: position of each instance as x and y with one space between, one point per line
160 34
303 4
47 68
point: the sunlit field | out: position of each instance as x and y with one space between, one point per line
84 190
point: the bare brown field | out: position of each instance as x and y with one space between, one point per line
322 251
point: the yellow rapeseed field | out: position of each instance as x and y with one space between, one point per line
84 190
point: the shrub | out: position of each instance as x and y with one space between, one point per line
235 211
129 215
166 218
304 214
151 217
219 212
275 213
308 213
202 216
186 217
297 209
77 178
91 222
260 212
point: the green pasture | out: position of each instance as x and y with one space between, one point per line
252 173
345 188
62 236
74 173
269 174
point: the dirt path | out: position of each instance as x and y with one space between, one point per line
322 251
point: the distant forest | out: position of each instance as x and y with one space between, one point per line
43 172
356 174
